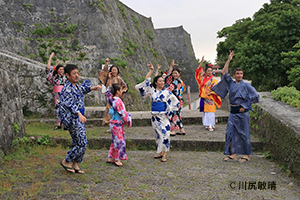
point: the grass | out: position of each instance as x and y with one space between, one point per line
40 129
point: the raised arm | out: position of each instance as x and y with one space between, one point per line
158 67
49 61
151 70
171 66
106 64
225 69
202 60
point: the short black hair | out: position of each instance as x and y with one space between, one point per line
237 69
69 67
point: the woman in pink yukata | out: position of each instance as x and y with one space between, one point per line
56 78
119 117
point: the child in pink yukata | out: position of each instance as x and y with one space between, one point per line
119 117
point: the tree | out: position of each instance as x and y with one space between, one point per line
258 43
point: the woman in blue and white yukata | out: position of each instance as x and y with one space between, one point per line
163 103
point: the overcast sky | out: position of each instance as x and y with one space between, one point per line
202 19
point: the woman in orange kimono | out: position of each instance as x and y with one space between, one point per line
209 99
105 80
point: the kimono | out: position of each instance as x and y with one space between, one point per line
208 103
58 84
176 87
163 103
105 80
119 116
71 103
238 125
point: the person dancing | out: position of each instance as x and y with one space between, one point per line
119 116
103 75
209 99
163 103
56 78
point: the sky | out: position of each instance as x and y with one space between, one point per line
202 19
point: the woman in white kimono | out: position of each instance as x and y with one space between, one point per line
163 103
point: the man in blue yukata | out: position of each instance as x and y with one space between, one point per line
241 97
71 113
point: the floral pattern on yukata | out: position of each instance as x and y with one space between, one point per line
160 119
117 148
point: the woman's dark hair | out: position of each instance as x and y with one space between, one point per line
155 81
115 67
176 69
114 88
69 67
56 69
207 67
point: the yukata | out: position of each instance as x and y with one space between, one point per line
176 87
71 103
241 94
208 103
58 83
163 103
119 117
105 80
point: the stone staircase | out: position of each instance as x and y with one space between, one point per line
141 135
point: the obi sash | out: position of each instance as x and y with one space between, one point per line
57 88
114 114
236 109
159 106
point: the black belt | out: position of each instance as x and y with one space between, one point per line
236 109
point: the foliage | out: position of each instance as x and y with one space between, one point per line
16 127
259 42
28 5
118 62
43 31
289 95
71 28
122 9
292 62
149 33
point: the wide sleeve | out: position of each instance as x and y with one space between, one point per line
253 94
85 86
172 101
175 87
198 75
222 87
145 88
122 84
103 76
67 101
50 77
109 96
120 108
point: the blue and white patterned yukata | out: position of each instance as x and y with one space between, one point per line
71 103
238 125
163 103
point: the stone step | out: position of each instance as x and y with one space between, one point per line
143 118
197 138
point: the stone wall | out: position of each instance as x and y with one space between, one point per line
278 125
176 44
36 96
11 116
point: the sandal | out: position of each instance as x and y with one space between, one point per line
78 171
164 158
68 169
118 163
243 159
158 156
230 159
110 161
57 127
